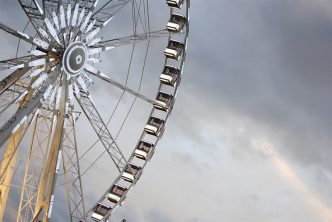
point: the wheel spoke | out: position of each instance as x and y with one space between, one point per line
12 101
101 130
12 78
85 20
15 93
163 33
89 5
52 30
108 11
15 64
50 6
34 103
21 95
14 88
31 9
34 41
106 78
101 46
9 63
91 35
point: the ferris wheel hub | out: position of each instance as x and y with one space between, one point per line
74 58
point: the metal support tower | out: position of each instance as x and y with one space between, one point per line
45 198
71 169
8 162
36 160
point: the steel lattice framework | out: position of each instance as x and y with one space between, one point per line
44 92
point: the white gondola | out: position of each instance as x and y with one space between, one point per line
154 126
170 75
174 3
164 101
100 211
131 173
174 50
176 23
116 193
144 150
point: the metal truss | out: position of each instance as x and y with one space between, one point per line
88 5
108 10
71 169
8 164
99 126
36 160
50 6
7 64
11 89
12 78
8 161
46 188
30 7
14 87
34 103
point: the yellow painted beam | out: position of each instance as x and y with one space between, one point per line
9 159
47 183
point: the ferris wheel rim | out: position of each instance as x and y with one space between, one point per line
187 2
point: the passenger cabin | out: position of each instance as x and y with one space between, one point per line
144 150
174 49
164 101
176 23
131 173
174 3
170 75
100 211
154 126
116 193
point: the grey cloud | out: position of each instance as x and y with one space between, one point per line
261 65
156 215
129 212
276 72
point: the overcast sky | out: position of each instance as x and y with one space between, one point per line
250 136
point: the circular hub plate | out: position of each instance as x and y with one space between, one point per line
74 58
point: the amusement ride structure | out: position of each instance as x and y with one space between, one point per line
43 91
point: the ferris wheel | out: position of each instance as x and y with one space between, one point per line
48 87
